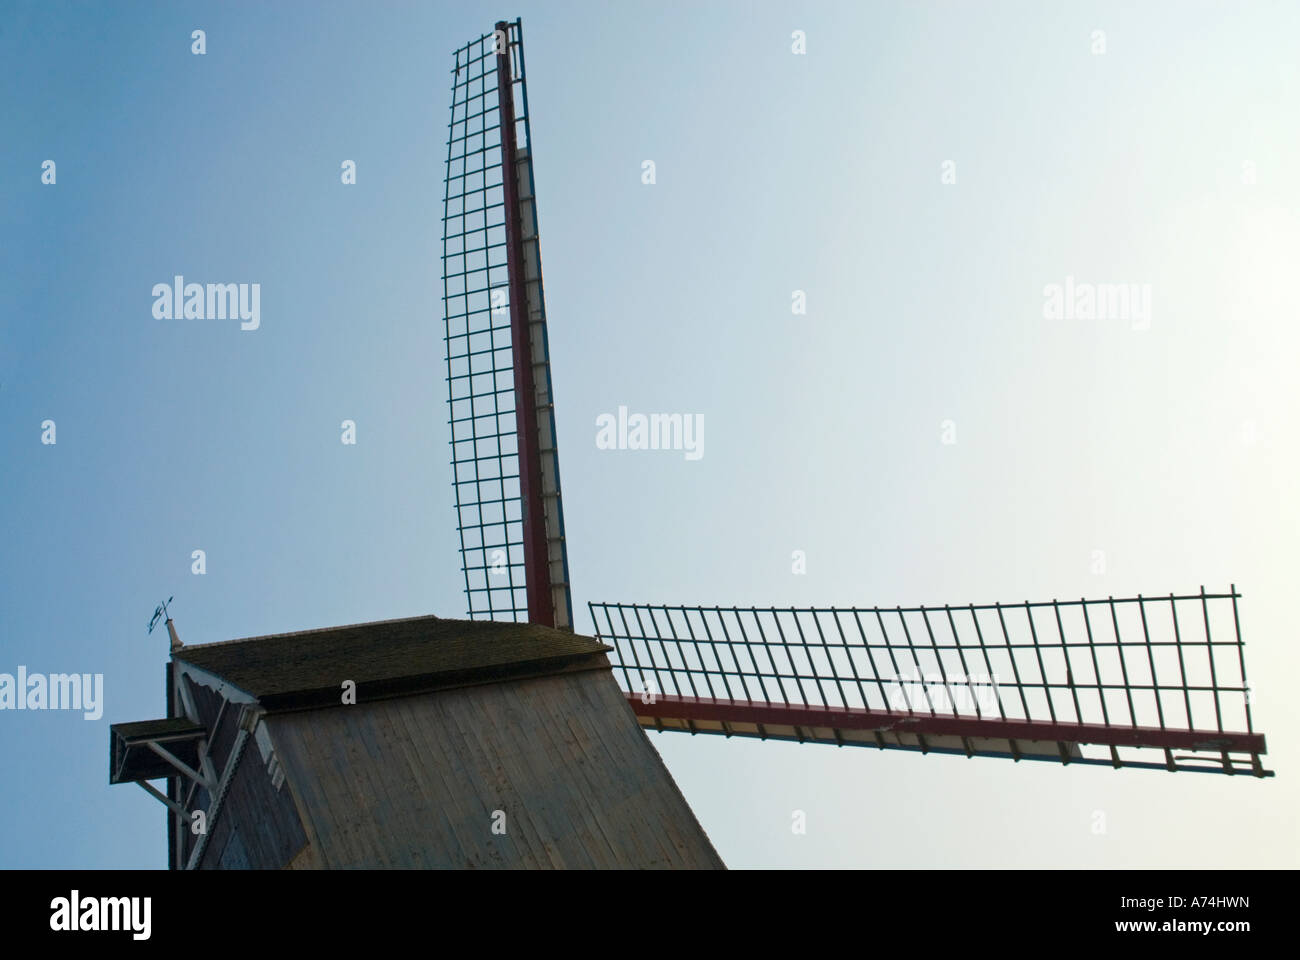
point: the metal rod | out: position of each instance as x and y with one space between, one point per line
911 649
1241 656
1042 670
1015 669
1182 667
1069 672
1123 666
1146 633
1214 680
961 655
1096 671
893 661
987 664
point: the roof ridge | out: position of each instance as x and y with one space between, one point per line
388 655
299 633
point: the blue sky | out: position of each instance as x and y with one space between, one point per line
1171 449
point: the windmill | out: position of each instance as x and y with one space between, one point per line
509 740
1144 682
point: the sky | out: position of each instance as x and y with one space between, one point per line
1151 144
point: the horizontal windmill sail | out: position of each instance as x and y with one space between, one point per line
1082 681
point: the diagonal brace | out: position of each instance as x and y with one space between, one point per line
181 766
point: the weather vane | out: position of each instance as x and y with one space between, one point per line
159 613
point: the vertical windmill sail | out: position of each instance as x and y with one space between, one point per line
505 470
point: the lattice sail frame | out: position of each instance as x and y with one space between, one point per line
514 559
1032 681
505 470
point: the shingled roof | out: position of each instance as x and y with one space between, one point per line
390 658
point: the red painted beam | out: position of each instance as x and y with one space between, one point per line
537 580
886 721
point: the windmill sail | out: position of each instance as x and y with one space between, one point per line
505 470
1087 681
1084 681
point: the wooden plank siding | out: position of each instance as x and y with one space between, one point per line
412 782
257 825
